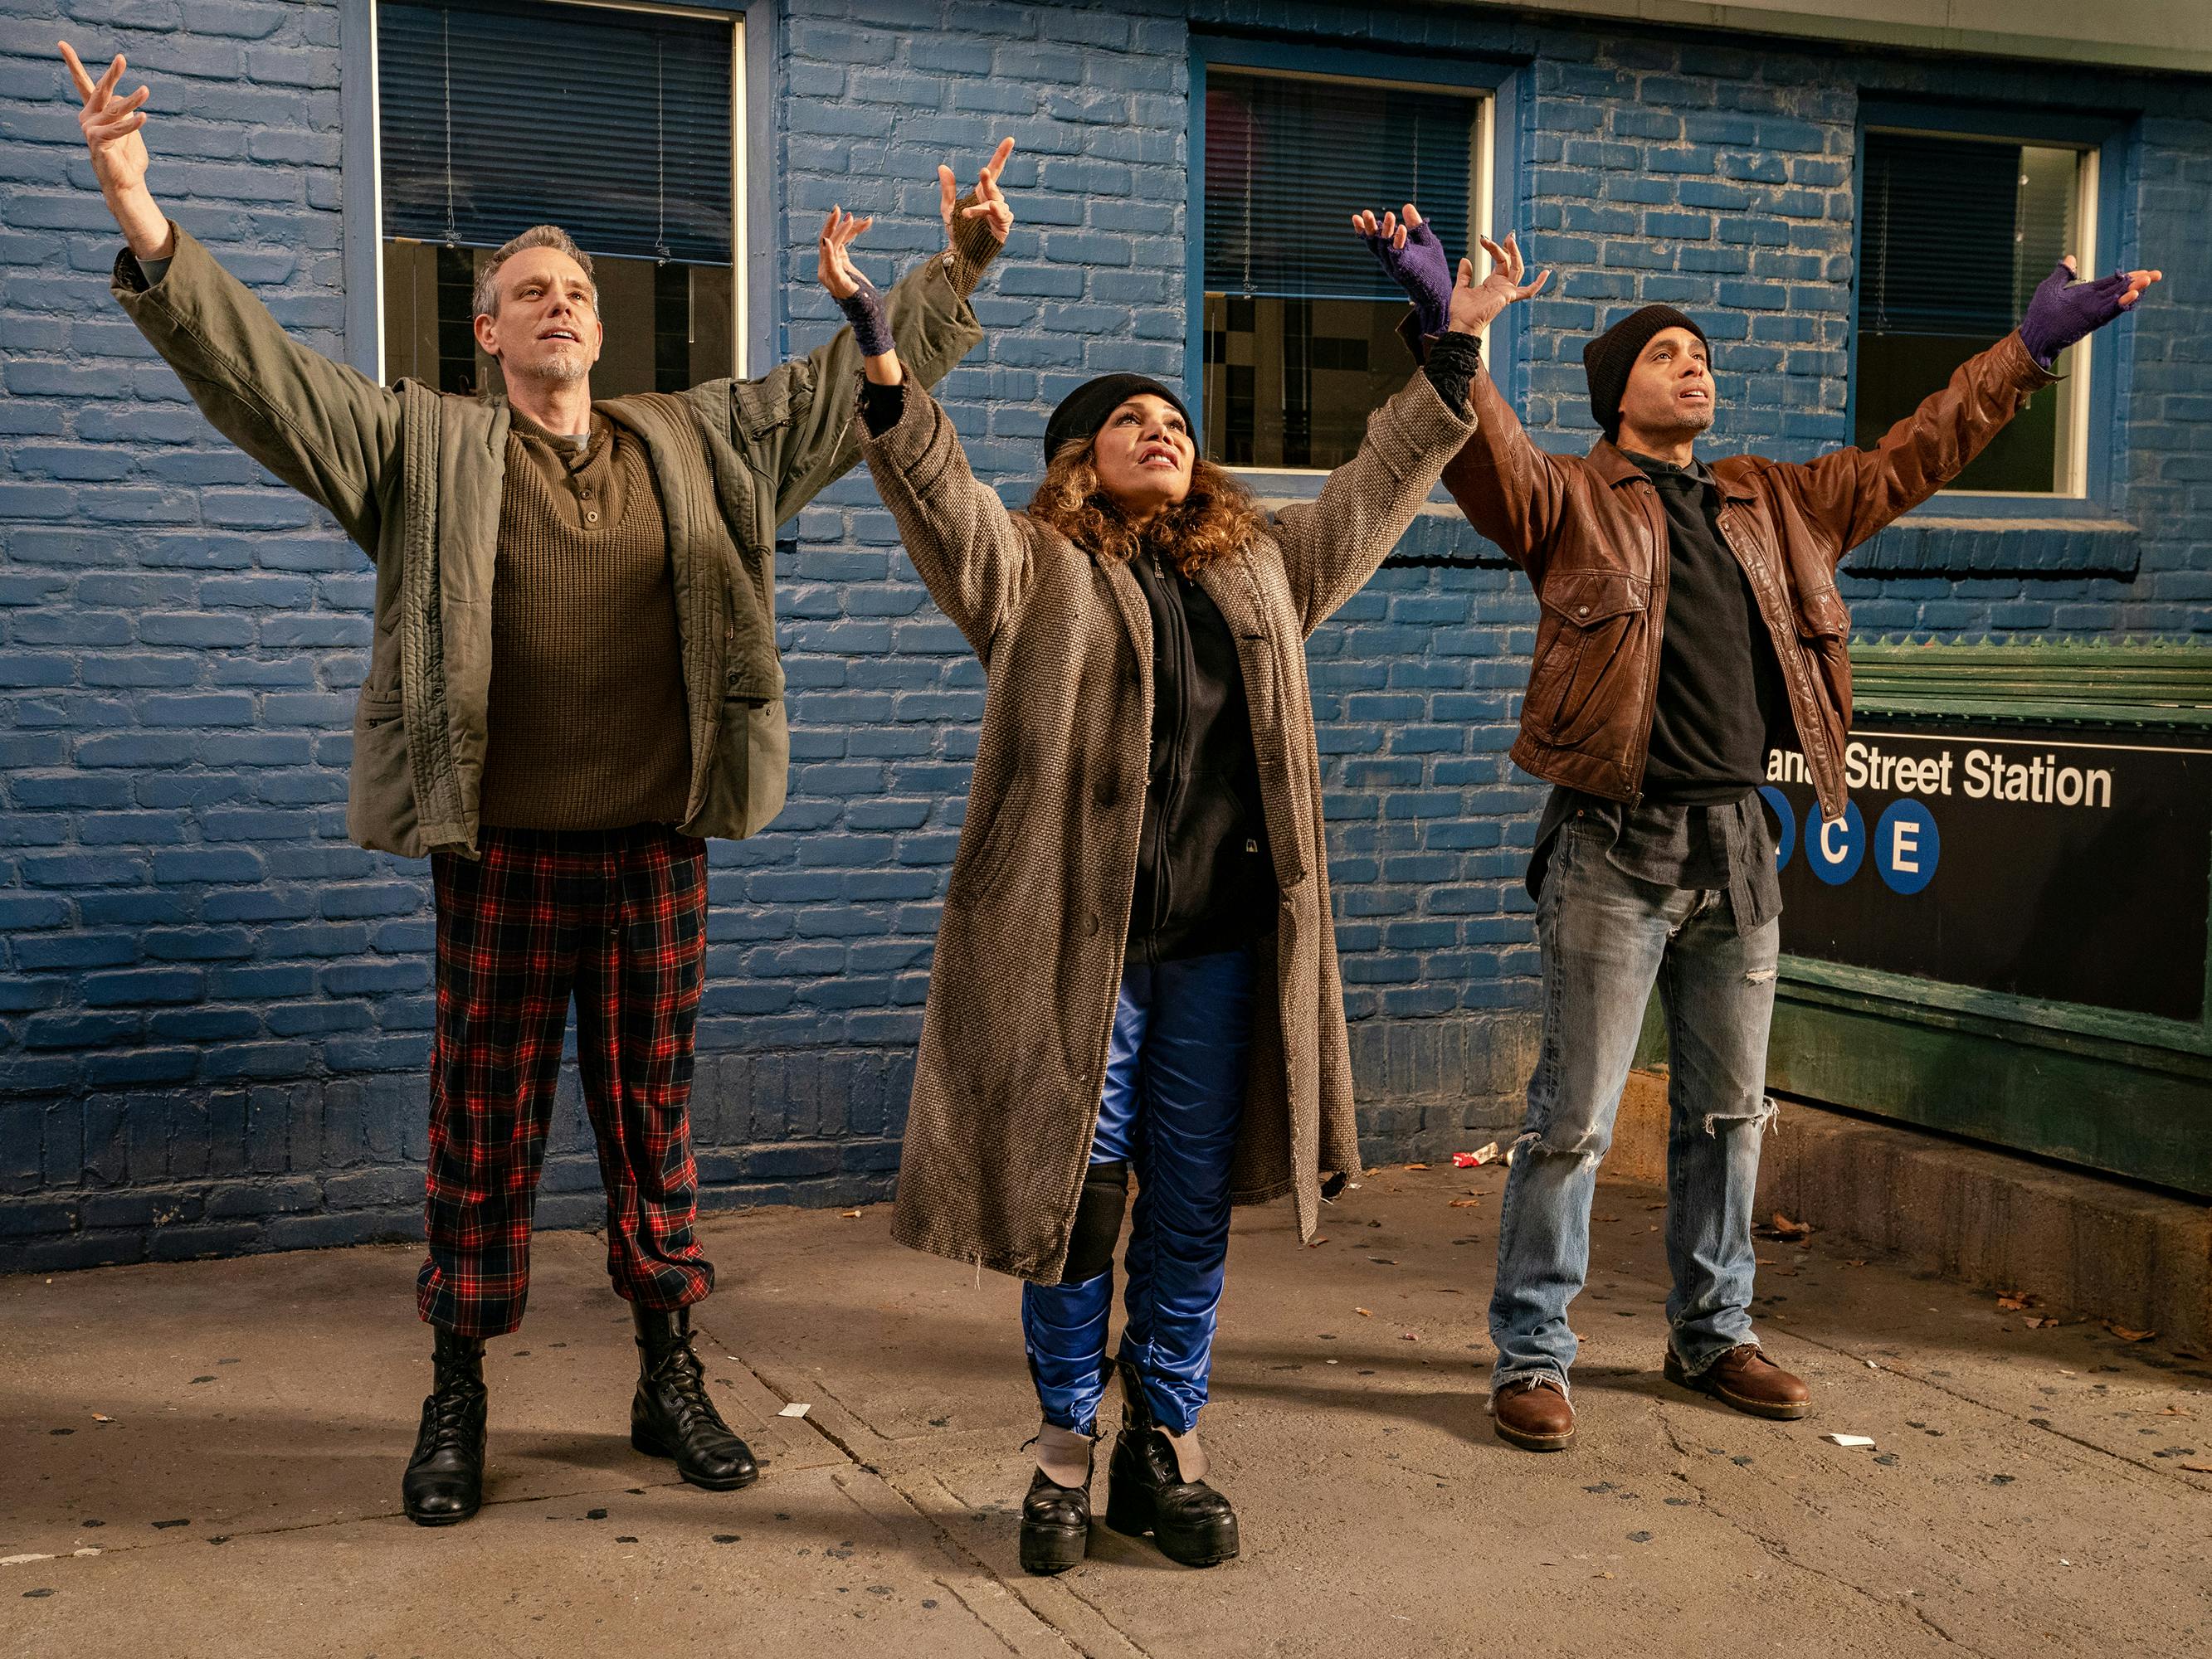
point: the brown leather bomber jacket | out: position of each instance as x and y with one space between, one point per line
1592 535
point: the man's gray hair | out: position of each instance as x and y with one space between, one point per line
487 296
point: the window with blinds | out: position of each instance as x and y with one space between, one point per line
616 124
1301 324
1955 234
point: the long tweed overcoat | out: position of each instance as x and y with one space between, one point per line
1029 953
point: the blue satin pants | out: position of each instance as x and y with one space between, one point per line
1173 1096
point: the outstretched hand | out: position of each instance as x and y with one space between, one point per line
1409 250
1474 304
834 259
990 204
856 295
2064 312
110 124
110 128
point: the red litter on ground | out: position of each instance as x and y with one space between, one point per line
1481 1155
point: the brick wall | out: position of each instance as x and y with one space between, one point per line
214 1011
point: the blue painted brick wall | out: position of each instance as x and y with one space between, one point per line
214 1011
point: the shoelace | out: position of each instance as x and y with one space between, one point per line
450 1407
680 1373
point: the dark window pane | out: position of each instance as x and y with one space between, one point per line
668 325
1293 385
1955 234
1300 342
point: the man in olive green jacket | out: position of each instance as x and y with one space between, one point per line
572 681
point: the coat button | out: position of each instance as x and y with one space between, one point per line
1090 922
591 518
1582 610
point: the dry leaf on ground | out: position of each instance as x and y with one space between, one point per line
1364 1313
2127 1335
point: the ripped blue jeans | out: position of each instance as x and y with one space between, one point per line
1605 938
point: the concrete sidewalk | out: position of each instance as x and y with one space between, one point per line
204 1460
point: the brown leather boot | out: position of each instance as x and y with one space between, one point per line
1745 1378
1533 1413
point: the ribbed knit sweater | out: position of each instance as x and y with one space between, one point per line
587 727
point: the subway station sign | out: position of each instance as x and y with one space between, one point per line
2039 861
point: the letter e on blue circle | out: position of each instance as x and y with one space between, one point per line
1906 846
1786 825
1834 847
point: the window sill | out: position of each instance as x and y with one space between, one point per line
1439 535
2056 547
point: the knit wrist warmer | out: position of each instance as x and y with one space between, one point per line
973 245
1452 362
864 309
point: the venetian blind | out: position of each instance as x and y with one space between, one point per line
613 124
1289 161
1952 235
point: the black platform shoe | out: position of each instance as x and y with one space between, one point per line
444 1482
672 1415
1055 1525
1145 1491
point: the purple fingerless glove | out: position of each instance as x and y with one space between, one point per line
864 309
2063 310
1422 269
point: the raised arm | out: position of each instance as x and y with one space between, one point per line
798 419
1510 490
972 555
325 428
1332 545
1854 493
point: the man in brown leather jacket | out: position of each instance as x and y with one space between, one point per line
1689 618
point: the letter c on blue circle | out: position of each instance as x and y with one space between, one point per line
1906 846
1834 847
1785 835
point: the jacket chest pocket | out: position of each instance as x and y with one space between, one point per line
1822 614
1586 651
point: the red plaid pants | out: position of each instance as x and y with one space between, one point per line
617 919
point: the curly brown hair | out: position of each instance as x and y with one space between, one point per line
1216 521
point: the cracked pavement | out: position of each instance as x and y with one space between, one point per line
203 1459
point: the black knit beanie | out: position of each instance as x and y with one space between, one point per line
1085 409
1608 358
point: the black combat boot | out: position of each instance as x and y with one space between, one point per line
1145 1491
672 1415
1056 1519
444 1482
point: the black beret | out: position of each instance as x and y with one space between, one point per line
1085 409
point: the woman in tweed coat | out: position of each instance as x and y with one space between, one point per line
1136 965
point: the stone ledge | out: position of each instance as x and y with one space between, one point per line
2083 1244
2001 547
